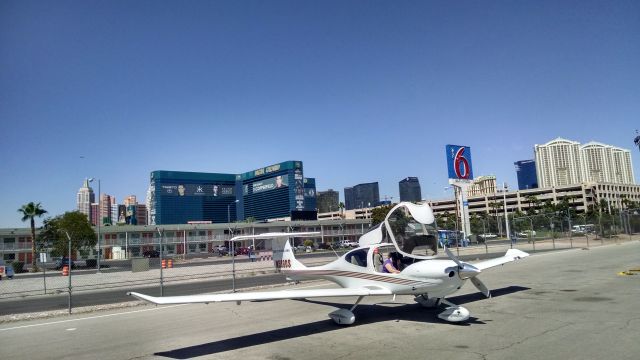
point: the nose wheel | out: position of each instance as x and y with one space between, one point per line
452 313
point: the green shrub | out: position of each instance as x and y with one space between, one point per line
18 267
308 242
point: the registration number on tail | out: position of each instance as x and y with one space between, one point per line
283 264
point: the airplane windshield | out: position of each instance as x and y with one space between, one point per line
412 237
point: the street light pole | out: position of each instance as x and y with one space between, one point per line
506 217
161 234
99 221
69 267
232 246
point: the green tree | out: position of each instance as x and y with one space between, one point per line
379 213
76 225
29 212
533 202
341 207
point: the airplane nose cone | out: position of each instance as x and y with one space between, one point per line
468 271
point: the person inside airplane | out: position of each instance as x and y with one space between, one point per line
388 266
377 259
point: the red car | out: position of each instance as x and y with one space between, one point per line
242 251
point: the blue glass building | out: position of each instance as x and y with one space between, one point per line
270 192
526 172
179 197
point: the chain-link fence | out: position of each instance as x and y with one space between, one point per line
542 232
154 271
152 274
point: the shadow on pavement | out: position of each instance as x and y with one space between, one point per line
365 314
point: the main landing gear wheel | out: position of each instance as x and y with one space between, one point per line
344 316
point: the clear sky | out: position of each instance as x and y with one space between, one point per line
360 91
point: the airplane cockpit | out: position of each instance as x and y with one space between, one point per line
410 228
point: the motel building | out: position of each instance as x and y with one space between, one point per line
197 239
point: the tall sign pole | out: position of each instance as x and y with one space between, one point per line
461 176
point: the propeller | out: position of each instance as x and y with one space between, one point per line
468 271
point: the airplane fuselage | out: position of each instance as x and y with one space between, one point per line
437 278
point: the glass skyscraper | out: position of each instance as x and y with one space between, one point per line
410 189
328 201
361 196
270 192
526 172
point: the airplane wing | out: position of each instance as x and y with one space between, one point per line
511 255
266 295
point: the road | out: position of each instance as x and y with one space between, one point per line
557 305
92 298
112 266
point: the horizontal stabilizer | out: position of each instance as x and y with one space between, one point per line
511 255
264 295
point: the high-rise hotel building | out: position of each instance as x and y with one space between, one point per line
564 162
272 192
85 198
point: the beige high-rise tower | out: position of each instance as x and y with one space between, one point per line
558 163
85 198
565 162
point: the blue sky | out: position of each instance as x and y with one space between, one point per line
360 91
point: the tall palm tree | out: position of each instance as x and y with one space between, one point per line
29 212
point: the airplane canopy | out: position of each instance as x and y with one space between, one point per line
409 227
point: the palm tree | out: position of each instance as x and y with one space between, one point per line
29 212
533 201
341 207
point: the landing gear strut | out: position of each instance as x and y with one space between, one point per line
344 316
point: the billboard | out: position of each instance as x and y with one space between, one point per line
459 162
277 182
214 190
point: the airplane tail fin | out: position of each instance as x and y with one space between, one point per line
283 256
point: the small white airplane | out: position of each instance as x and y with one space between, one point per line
406 235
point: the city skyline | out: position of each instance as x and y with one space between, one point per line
358 91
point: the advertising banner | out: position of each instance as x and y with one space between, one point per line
197 190
270 184
459 162
299 189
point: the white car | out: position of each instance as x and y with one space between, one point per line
526 234
488 236
348 244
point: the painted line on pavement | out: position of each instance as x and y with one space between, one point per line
89 318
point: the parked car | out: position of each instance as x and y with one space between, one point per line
348 244
488 236
6 270
221 250
527 234
60 263
242 251
151 254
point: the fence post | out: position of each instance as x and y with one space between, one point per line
161 233
69 262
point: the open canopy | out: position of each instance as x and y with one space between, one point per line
409 227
